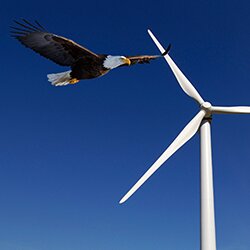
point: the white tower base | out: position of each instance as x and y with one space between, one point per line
207 220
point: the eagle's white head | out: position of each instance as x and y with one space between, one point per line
112 62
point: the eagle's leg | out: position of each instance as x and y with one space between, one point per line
73 81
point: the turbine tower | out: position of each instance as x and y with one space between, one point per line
202 122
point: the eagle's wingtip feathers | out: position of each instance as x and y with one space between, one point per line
167 50
27 27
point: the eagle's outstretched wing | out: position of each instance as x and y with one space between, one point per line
146 58
141 59
59 49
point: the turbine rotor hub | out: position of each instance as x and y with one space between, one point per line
206 106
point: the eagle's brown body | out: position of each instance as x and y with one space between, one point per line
84 63
87 68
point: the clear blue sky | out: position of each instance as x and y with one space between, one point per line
69 154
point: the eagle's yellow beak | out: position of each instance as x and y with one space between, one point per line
126 61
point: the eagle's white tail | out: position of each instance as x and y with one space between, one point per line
60 79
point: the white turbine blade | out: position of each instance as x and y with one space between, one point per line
231 110
186 134
185 84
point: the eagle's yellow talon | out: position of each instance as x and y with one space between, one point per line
73 81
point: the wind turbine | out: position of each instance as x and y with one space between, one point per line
202 122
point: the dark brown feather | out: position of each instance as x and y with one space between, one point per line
141 59
147 58
59 49
88 67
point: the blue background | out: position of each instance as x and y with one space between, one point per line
68 154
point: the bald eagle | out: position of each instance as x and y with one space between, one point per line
84 63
